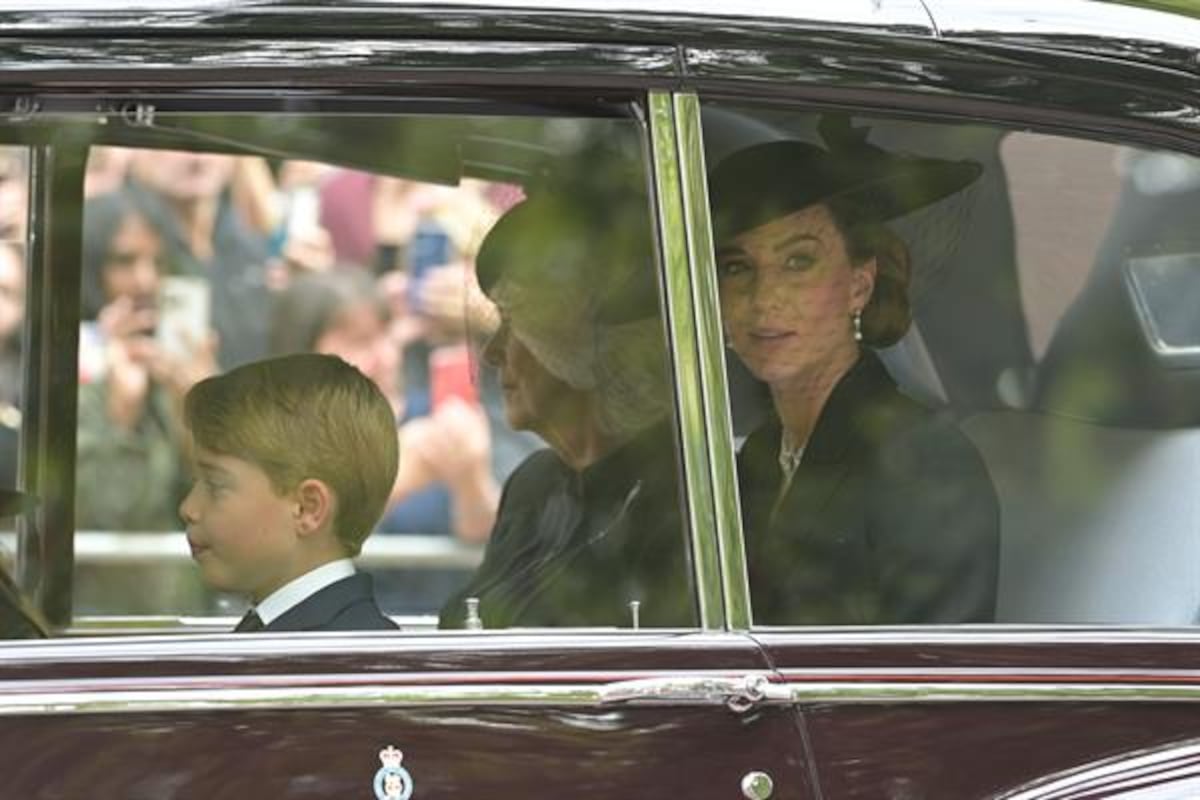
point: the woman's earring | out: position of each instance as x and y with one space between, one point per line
858 326
725 337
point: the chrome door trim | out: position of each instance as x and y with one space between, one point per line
156 701
739 691
237 648
821 636
861 693
229 646
735 585
686 333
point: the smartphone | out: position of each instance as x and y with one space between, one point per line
430 248
450 375
183 314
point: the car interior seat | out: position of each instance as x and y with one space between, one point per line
1097 477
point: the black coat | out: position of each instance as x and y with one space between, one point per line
345 605
890 517
574 548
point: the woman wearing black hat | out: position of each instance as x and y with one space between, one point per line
591 524
860 506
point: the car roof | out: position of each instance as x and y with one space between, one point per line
1160 32
629 16
1163 33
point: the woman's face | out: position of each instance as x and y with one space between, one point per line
131 268
533 396
359 334
12 292
789 293
14 203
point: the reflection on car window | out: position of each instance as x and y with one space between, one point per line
589 530
513 481
1020 449
861 506
14 215
14 218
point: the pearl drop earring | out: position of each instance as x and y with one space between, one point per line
858 326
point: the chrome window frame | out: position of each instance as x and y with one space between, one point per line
964 82
674 164
703 402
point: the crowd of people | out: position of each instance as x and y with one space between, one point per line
283 257
195 263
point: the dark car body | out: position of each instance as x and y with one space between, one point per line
840 712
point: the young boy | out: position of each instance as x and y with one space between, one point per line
294 459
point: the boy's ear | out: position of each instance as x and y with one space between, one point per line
314 506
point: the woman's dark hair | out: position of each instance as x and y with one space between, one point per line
103 216
310 304
888 314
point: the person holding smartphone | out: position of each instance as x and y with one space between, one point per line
131 385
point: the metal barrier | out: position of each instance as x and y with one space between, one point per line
381 551
131 580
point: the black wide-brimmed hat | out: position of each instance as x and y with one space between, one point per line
573 271
13 502
770 180
563 243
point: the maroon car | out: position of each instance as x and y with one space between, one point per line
265 148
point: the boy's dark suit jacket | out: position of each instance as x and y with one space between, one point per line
346 605
891 516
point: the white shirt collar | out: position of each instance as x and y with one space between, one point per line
297 591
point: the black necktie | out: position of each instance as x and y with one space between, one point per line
250 623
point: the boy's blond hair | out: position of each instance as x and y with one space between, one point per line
304 416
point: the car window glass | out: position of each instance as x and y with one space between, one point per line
495 276
14 217
963 368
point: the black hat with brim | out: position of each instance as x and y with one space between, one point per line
13 502
564 242
767 181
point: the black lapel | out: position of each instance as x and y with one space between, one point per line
844 426
319 609
841 438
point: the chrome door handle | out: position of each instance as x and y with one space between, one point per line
739 693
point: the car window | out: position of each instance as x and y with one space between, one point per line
962 367
493 274
14 217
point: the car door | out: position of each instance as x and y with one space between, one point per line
190 711
1032 331
468 714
